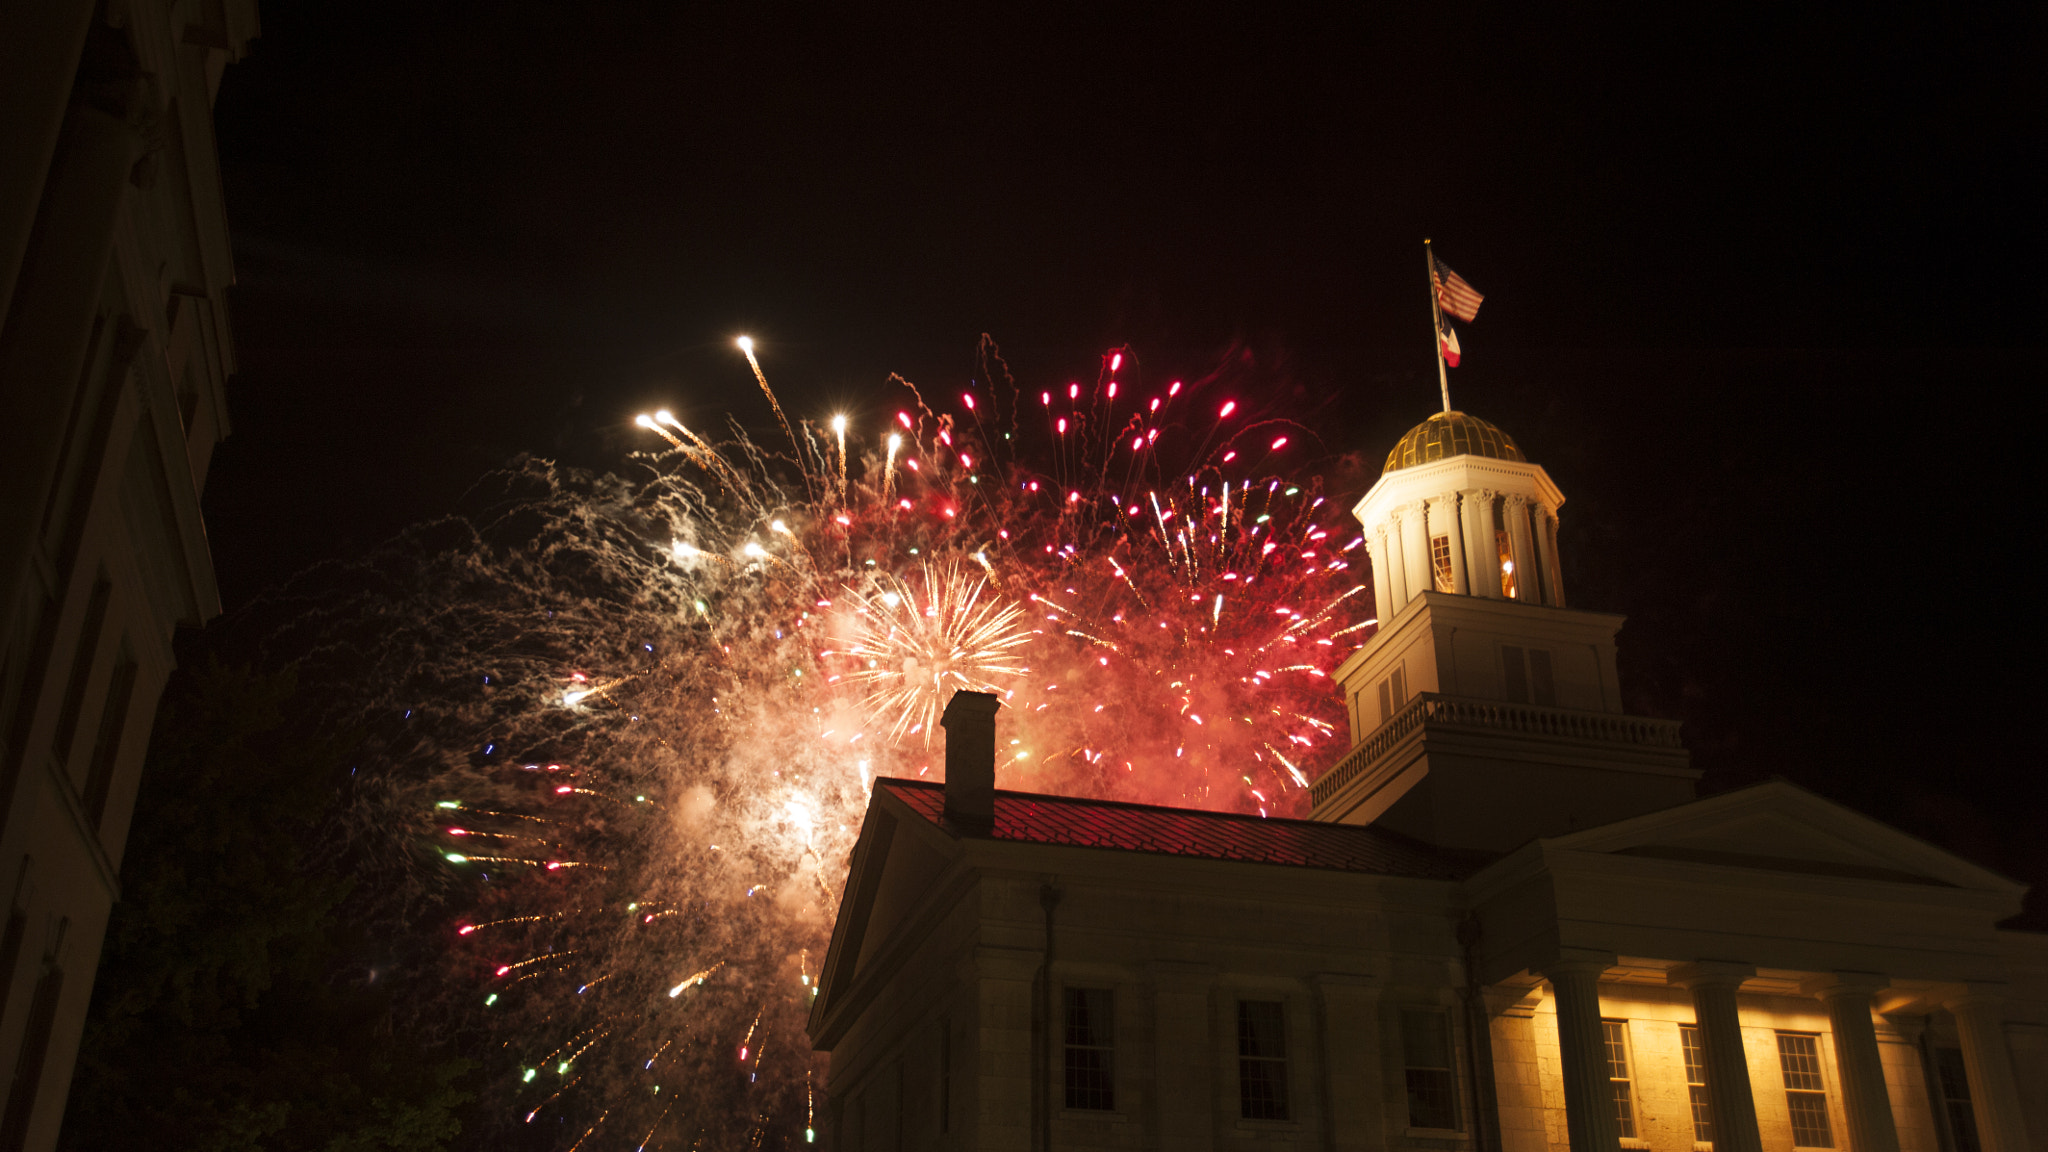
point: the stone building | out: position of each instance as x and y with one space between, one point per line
114 349
1509 926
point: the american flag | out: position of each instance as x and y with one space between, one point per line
1453 295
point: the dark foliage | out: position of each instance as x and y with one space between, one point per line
234 1007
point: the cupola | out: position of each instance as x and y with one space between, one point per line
1459 509
1483 711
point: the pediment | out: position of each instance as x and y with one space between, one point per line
896 859
1779 827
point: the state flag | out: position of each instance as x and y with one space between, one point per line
1447 337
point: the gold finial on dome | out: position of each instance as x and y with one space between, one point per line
1447 434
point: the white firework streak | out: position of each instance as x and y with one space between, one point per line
922 643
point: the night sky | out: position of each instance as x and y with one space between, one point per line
1763 293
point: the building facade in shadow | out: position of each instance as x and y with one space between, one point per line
114 353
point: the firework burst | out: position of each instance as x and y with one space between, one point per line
921 640
626 726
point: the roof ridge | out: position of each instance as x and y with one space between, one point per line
1209 812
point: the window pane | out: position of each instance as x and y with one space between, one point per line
1090 1059
1955 1096
1695 1054
1696 1083
1799 1059
1615 1034
1624 1114
1424 1042
1809 1120
1260 1029
1426 1050
1440 562
1262 1060
1617 1048
1430 1100
1805 1098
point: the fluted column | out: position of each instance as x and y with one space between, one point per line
1713 984
1546 546
1443 521
1859 1066
1382 593
1415 549
1516 509
1397 570
1582 1042
1482 557
1994 1094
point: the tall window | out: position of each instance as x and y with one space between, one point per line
1261 1060
81 669
1695 1050
1091 1051
28 1068
1440 562
106 748
1426 1053
1955 1099
1806 1096
1618 1075
1510 584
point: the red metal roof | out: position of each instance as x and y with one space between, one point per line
1124 827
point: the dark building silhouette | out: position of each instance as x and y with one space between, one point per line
114 352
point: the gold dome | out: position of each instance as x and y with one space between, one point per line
1447 434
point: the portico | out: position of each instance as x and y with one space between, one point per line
1777 922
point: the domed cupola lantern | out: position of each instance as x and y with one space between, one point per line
1459 509
1484 711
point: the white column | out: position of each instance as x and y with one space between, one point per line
1994 1093
1482 559
1397 570
1516 508
1582 1042
1553 568
1382 593
1443 521
1415 549
1713 984
1861 1069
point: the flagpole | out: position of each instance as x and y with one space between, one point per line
1436 327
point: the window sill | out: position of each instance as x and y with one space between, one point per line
1268 1125
1634 1144
1434 1133
1094 1115
1703 1146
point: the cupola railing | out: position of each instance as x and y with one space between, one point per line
1471 714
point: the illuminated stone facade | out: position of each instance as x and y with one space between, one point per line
1509 928
114 350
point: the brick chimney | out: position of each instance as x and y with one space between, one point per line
970 724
